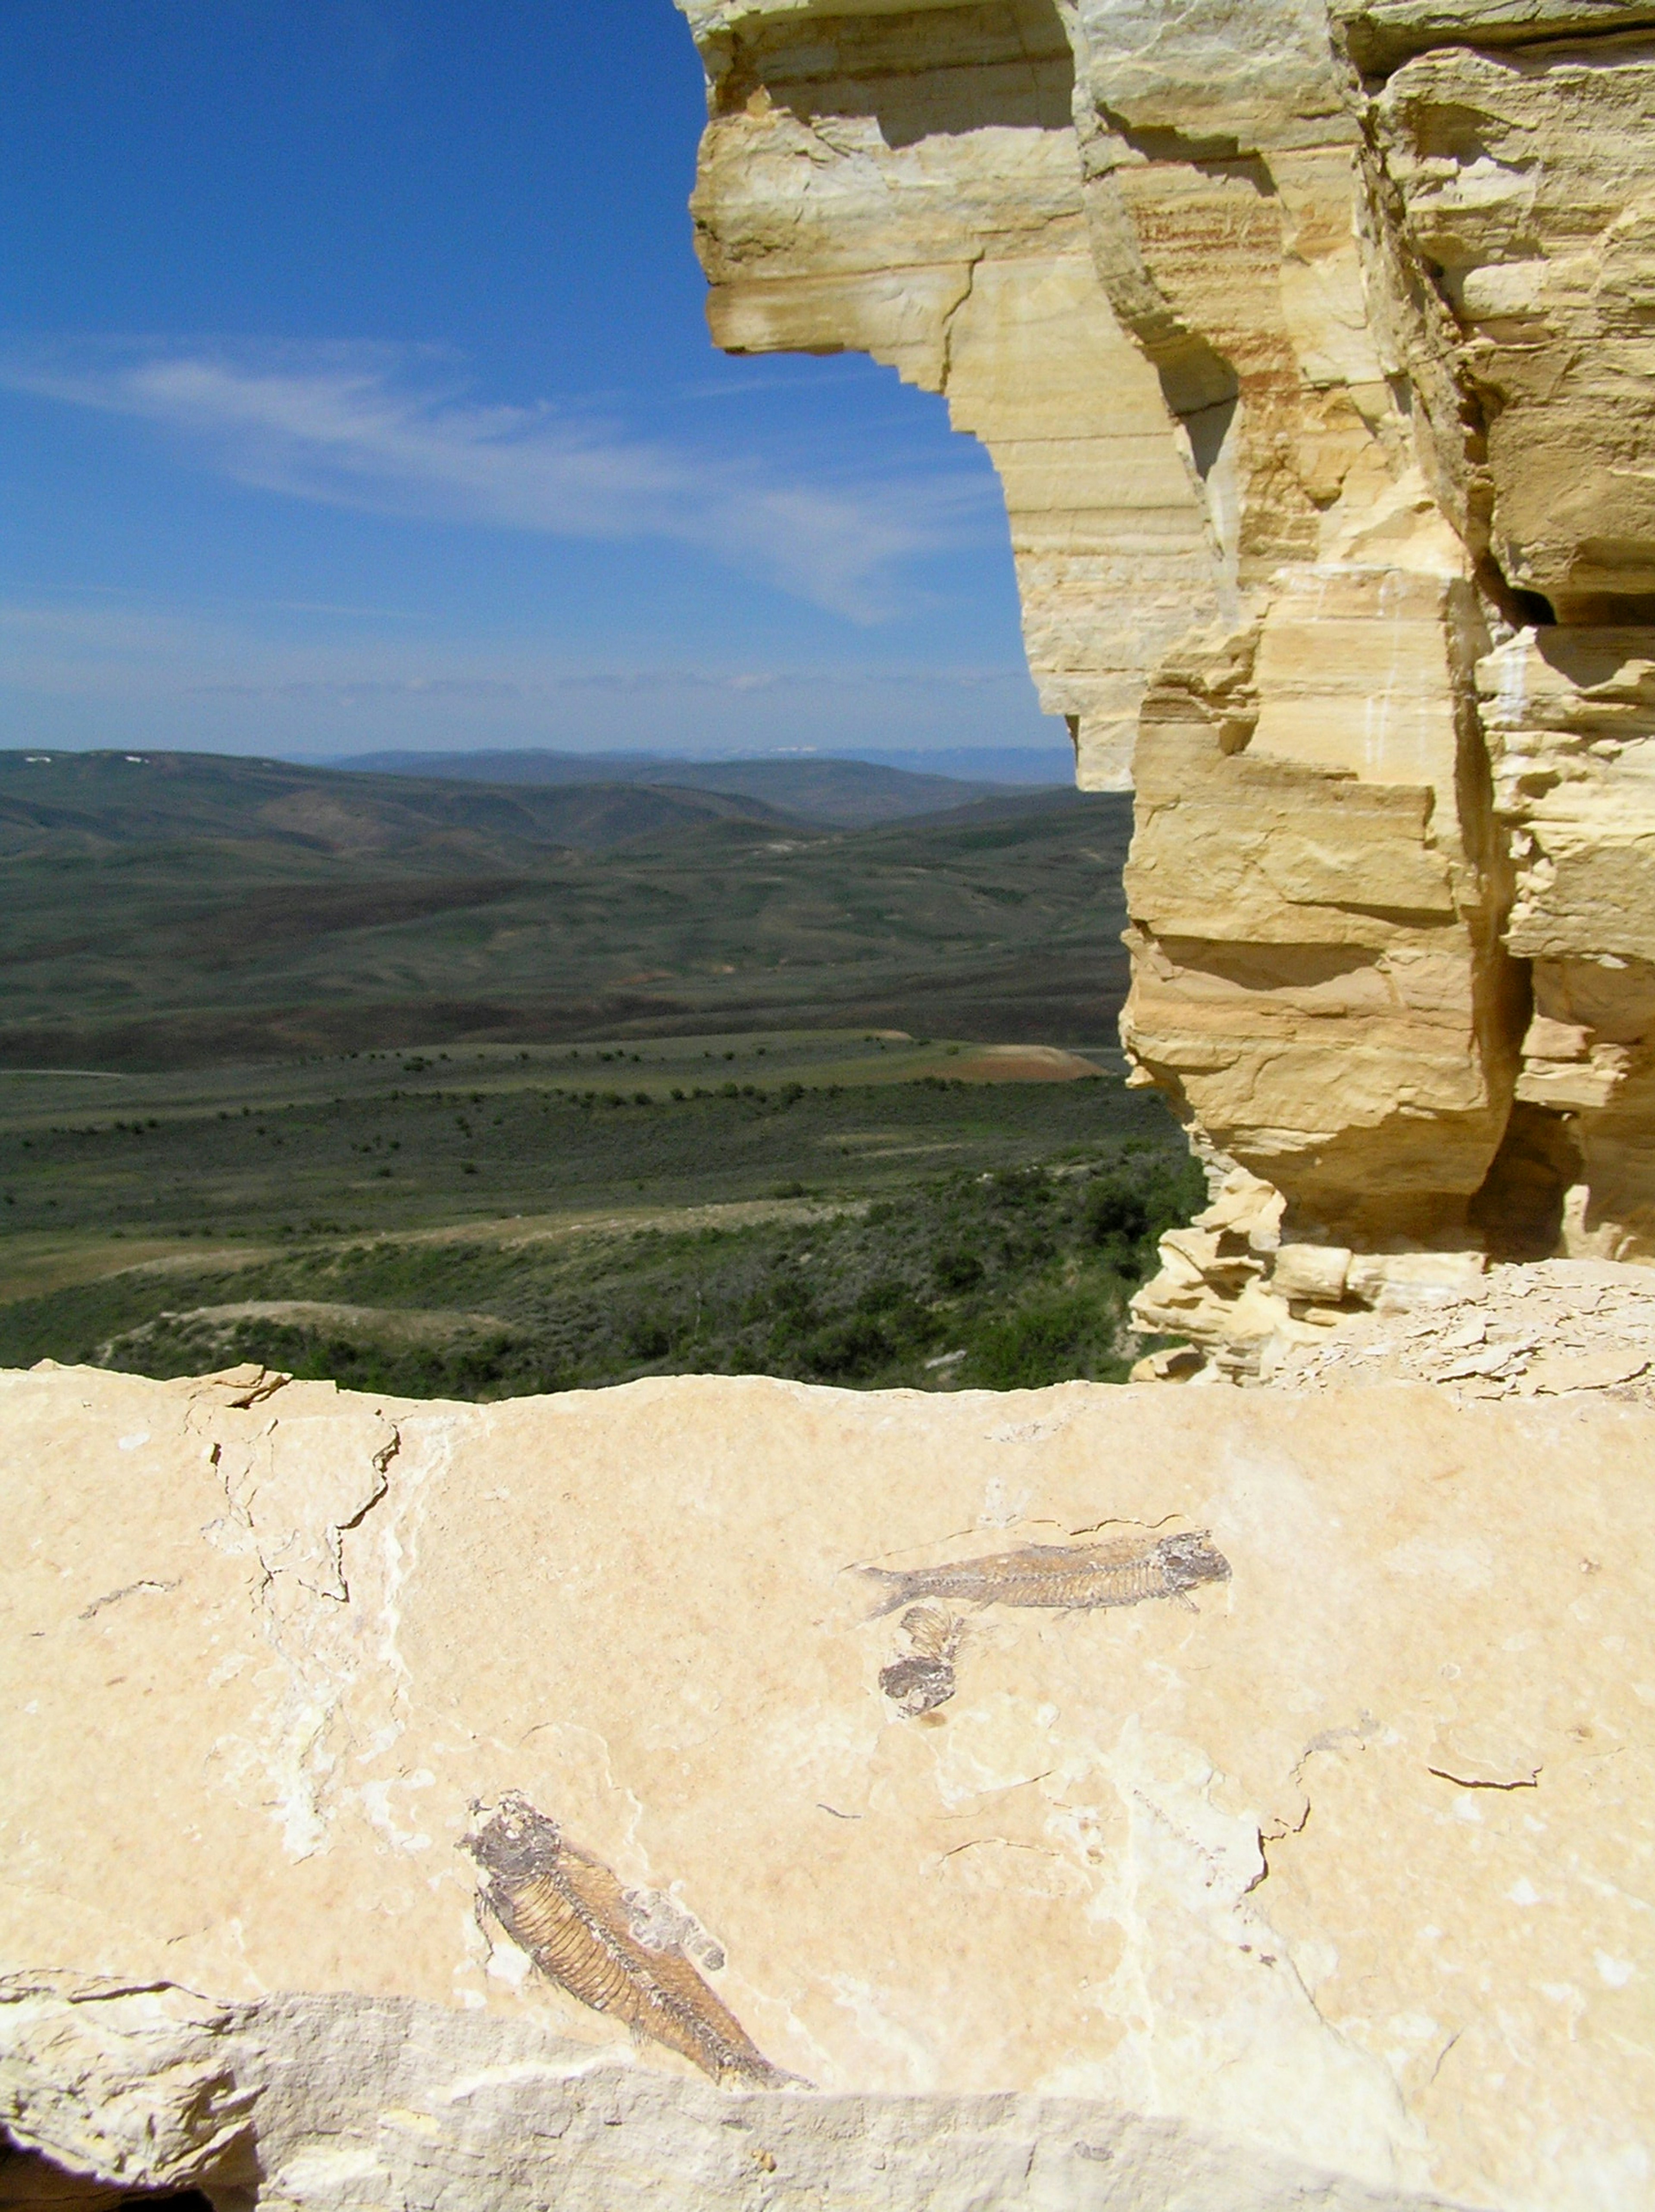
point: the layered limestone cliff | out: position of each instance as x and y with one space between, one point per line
499 1807
1313 341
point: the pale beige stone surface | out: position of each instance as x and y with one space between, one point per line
1348 1049
1337 1871
1311 340
1527 184
353 2102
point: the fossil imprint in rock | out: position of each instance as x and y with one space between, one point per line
1064 1578
1311 345
610 1947
923 1678
1331 1890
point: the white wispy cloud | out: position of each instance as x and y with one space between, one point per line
375 429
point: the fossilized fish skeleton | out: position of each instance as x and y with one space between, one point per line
584 1930
924 1678
1125 1571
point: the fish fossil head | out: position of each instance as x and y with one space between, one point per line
1191 1558
513 1841
918 1684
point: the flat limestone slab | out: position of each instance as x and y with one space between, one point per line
1328 1883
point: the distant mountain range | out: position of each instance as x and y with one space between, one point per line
164 909
1029 767
443 810
826 787
88 802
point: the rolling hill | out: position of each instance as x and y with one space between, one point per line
441 1086
101 802
169 909
845 794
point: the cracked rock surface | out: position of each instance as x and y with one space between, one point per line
1556 1329
1326 1885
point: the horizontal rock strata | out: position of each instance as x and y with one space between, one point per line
1302 1867
906 182
1312 342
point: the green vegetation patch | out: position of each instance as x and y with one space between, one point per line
1005 1280
427 1142
429 1228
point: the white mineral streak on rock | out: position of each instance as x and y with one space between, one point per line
1311 345
292 1493
1290 1895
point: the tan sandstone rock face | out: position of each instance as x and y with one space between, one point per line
906 182
1322 1882
1312 342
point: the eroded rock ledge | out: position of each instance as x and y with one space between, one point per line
1324 1886
1313 345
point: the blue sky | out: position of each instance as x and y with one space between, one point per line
355 393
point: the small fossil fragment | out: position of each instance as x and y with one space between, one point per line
619 1951
924 1678
660 1924
1075 1576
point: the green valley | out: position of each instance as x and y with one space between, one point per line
477 1090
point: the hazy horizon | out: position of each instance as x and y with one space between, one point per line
1034 764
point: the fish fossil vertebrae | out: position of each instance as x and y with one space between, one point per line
1125 1571
619 1951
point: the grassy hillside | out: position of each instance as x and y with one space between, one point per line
63 805
484 1222
175 910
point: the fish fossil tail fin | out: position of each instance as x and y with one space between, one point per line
897 1587
763 2076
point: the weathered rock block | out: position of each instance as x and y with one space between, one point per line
906 182
1295 1856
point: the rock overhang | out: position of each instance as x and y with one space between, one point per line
1308 348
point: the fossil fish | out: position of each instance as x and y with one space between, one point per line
1077 1577
596 1940
924 1678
